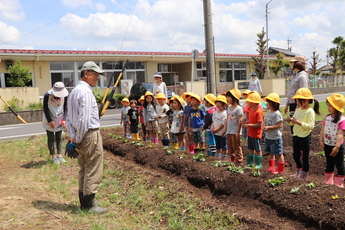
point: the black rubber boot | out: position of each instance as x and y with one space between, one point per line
88 204
81 199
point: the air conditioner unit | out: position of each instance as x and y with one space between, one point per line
126 86
9 64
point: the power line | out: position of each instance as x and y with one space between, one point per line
283 4
45 25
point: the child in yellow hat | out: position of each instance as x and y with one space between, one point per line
303 122
209 102
195 123
149 114
187 97
124 118
255 118
331 140
133 119
218 127
163 126
141 118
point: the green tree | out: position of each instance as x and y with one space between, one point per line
19 75
278 64
315 63
260 61
335 52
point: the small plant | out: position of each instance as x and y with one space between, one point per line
220 163
140 144
321 153
276 181
232 168
134 142
118 138
256 172
34 106
199 157
183 156
295 189
15 104
311 185
126 140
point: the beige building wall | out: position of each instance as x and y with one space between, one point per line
199 87
269 86
25 94
151 69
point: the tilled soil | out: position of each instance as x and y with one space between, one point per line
251 199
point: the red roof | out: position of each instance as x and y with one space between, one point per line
27 51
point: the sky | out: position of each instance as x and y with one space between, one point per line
169 25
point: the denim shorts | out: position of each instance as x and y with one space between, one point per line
221 142
254 143
275 147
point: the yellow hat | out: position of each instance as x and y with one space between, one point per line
210 98
172 99
185 94
180 100
303 93
196 96
337 101
254 98
142 98
125 100
246 92
221 98
272 97
160 96
235 92
148 93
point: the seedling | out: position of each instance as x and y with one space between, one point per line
277 181
295 189
199 157
140 144
232 168
255 172
168 151
134 142
112 135
220 163
321 153
126 140
183 156
311 185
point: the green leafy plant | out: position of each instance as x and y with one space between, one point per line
183 156
168 150
19 75
34 106
119 97
311 185
256 172
276 181
220 163
232 168
295 189
134 142
199 157
97 94
140 144
15 104
321 153
125 140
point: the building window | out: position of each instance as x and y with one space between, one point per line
230 71
62 71
201 70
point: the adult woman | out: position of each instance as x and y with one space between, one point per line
254 84
297 81
54 108
159 86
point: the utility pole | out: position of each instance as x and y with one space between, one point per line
209 45
268 50
289 42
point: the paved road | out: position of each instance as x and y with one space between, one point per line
111 118
22 131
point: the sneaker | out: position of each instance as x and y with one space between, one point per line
60 158
56 161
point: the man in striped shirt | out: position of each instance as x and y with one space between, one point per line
83 127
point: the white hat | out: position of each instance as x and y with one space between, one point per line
59 89
90 65
158 74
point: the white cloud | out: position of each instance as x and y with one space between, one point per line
100 7
10 10
75 3
9 34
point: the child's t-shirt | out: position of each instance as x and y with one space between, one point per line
177 121
233 115
208 118
133 116
307 117
196 118
124 111
331 129
272 118
219 118
187 108
149 113
161 111
255 116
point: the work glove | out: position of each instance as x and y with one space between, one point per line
71 150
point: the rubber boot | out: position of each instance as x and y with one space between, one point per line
304 175
175 145
191 149
156 141
137 136
250 159
258 162
182 148
196 150
328 178
163 142
298 171
271 165
80 193
339 181
88 204
281 167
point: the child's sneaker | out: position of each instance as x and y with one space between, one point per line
56 161
61 159
303 175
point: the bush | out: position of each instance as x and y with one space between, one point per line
34 106
19 75
97 93
15 104
119 97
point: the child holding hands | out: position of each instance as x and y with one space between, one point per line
124 118
331 140
218 127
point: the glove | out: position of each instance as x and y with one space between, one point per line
71 150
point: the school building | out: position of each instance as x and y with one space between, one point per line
50 66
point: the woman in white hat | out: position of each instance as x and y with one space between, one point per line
54 120
159 85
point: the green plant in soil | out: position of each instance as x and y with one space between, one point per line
199 157
310 185
232 168
220 163
183 156
255 172
168 150
295 189
321 153
276 181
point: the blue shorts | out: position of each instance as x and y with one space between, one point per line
275 147
221 142
254 143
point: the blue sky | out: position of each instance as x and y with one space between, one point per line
169 25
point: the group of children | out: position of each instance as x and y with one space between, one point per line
224 122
